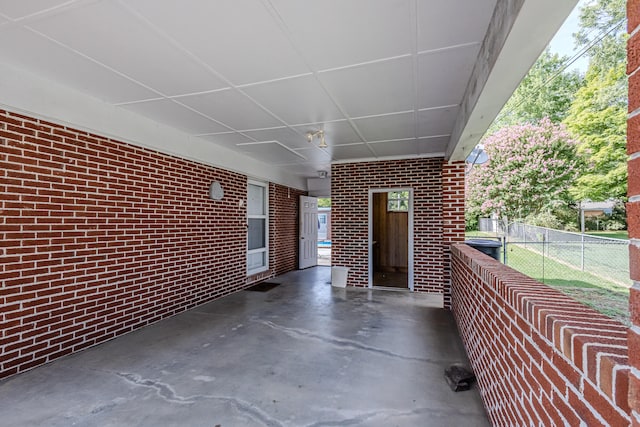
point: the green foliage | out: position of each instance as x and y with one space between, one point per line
324 202
604 20
598 118
546 91
529 170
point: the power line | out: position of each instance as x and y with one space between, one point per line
570 61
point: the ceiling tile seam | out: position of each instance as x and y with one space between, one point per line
440 107
203 63
444 135
393 140
242 130
414 59
280 22
280 79
365 63
193 110
49 11
447 48
95 61
138 101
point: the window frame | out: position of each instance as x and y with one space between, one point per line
398 200
265 216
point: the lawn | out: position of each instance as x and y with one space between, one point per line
607 297
623 234
604 296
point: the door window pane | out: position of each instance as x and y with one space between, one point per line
256 233
255 203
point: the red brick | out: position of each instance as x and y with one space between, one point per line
633 15
633 219
86 211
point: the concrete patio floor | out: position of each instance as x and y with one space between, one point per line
301 354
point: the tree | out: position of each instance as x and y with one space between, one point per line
597 117
602 25
598 120
530 169
546 91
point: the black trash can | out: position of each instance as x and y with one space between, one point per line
486 246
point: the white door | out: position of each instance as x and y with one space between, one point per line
308 256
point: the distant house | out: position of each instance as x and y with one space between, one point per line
593 209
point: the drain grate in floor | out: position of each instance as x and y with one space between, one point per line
262 287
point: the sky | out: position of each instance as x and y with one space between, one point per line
563 42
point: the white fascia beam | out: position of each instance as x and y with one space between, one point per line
24 92
519 31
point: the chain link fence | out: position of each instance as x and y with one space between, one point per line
539 251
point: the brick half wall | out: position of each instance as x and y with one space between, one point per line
541 358
99 237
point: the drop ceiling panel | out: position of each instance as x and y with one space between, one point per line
315 155
335 33
283 135
350 152
378 88
271 153
229 140
338 132
52 61
436 122
170 113
241 41
396 148
432 145
19 9
443 76
395 126
129 47
296 101
231 108
461 28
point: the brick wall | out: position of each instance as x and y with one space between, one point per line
633 207
283 244
438 215
541 358
99 238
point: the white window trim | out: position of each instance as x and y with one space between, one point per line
264 250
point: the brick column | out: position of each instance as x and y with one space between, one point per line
453 226
633 207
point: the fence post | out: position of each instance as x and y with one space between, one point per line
504 250
582 251
543 243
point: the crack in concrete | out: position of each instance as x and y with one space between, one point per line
340 342
167 393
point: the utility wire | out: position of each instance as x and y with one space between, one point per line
570 61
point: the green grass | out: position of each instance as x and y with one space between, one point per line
611 234
604 296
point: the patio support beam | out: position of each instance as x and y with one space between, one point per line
519 32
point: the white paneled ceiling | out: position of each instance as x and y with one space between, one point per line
382 78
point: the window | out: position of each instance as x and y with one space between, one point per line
398 201
258 228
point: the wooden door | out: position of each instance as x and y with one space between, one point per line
390 257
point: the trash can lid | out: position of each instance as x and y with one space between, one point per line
485 243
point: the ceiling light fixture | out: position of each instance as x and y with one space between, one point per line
317 134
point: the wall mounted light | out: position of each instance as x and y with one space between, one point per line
317 134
